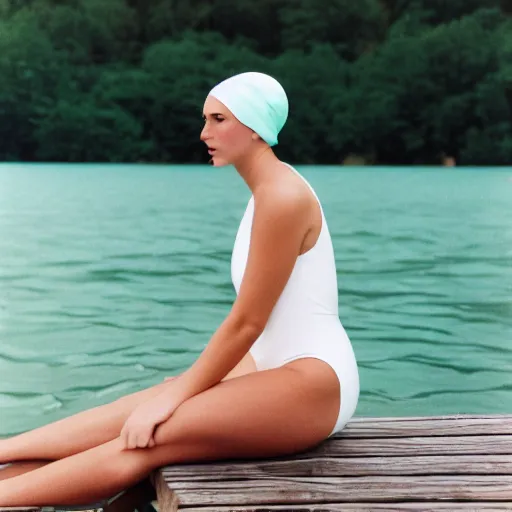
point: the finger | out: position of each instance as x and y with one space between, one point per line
122 436
128 440
141 440
146 439
127 437
132 441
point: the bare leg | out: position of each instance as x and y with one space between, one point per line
91 475
265 414
76 433
20 468
86 429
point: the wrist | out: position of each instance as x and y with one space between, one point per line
175 391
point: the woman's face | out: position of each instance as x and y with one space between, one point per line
226 137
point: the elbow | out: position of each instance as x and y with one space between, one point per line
249 327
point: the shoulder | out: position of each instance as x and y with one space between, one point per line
278 229
280 200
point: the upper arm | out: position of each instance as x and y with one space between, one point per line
278 228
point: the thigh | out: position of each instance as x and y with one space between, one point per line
262 414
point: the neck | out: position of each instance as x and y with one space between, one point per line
258 167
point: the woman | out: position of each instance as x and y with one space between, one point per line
277 377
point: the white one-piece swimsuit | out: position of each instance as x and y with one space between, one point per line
304 321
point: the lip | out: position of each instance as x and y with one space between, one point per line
211 151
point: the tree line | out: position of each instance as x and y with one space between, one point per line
384 81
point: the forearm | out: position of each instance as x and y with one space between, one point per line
224 352
245 366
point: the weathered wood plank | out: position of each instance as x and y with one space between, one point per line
368 507
167 500
329 489
419 427
330 466
393 447
19 509
374 464
458 417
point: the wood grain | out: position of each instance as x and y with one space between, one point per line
443 463
301 490
367 507
332 466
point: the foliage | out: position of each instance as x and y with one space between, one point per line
393 81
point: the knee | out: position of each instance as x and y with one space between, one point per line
188 425
120 466
170 432
181 437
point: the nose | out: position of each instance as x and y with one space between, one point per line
204 133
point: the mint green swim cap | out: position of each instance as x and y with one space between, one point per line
257 100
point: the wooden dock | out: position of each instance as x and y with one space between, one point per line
444 463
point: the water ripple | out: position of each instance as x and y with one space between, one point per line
112 280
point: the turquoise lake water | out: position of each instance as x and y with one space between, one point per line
112 277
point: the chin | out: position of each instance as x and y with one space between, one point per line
218 162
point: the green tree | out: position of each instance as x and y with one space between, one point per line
463 55
87 32
435 11
441 11
381 115
313 80
415 98
83 131
353 28
30 74
253 24
131 89
400 81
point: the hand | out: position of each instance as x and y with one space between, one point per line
138 430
